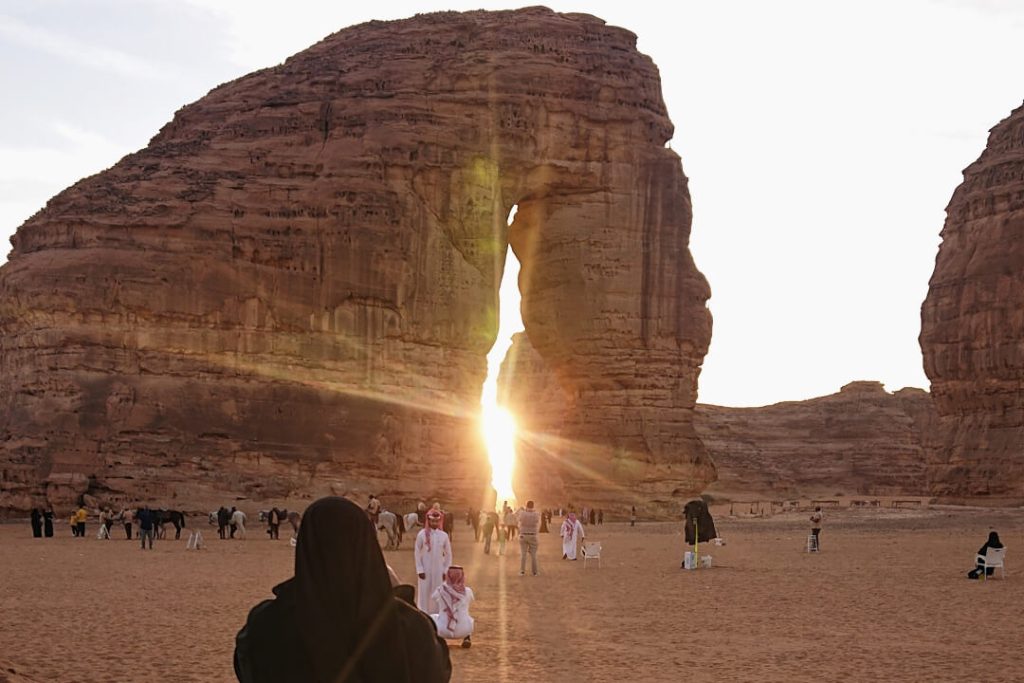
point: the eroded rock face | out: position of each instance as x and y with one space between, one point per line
555 465
292 289
860 441
972 326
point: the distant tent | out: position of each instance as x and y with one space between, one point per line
698 510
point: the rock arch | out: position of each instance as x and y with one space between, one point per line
292 289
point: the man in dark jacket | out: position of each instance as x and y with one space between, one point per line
147 526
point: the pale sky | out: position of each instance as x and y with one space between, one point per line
823 141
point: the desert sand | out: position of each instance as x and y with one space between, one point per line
885 600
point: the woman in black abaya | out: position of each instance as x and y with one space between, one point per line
337 620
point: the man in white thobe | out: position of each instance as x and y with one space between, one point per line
572 533
433 557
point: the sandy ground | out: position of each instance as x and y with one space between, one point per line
885 600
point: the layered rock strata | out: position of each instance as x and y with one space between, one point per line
972 327
292 289
860 441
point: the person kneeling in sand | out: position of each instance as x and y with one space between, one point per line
453 598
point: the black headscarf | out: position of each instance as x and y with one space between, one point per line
993 540
345 611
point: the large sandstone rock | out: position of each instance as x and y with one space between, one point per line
972 327
860 441
292 289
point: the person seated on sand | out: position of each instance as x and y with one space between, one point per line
453 598
338 619
992 542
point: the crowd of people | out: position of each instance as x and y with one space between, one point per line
347 615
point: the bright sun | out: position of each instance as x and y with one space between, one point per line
497 424
499 431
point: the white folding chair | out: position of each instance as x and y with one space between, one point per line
995 558
591 551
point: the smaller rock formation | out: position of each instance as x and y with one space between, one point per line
860 441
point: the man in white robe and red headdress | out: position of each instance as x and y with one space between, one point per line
453 598
572 534
433 557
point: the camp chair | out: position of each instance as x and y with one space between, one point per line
591 551
812 543
993 559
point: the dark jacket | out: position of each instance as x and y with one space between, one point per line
698 509
269 648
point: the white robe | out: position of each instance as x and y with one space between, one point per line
569 541
463 623
432 563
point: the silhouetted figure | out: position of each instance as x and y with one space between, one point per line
338 618
48 522
37 523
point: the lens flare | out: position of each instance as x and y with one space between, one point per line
497 425
499 432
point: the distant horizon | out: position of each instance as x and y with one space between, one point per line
822 145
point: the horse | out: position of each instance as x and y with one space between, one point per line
175 517
394 525
293 518
412 520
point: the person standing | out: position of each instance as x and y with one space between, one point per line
80 517
105 523
274 524
511 523
482 524
373 510
238 519
632 515
37 523
147 522
126 519
74 523
421 513
592 517
529 525
816 520
473 517
433 557
572 533
48 522
545 517
490 523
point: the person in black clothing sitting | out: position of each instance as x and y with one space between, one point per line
992 542
338 619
